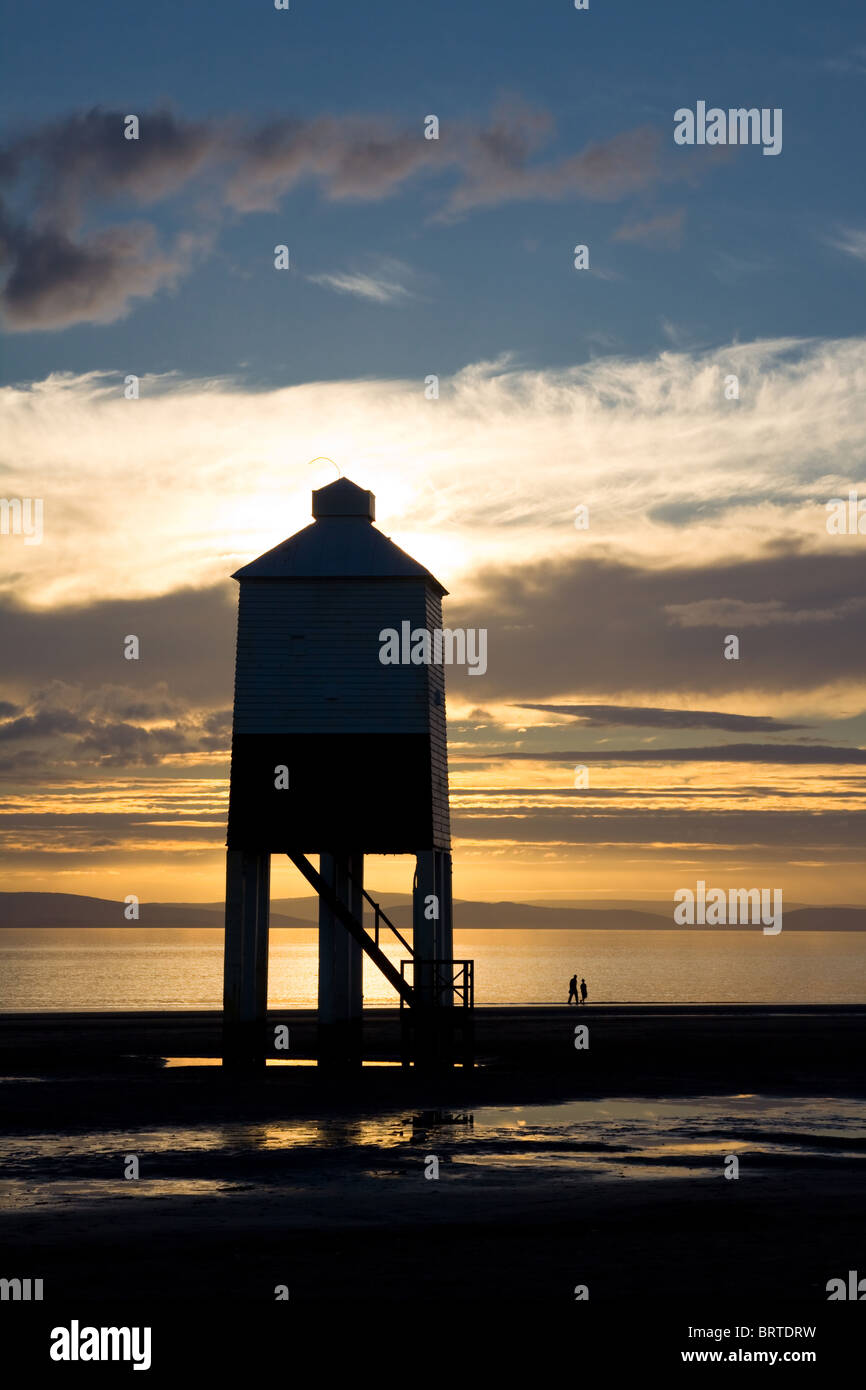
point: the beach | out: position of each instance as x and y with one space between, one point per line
557 1167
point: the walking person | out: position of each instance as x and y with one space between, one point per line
583 991
572 990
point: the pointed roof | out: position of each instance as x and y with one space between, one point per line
342 543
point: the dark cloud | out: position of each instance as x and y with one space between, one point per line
94 829
69 167
601 626
596 626
348 157
831 833
66 173
647 717
536 796
86 157
496 167
124 745
41 725
55 281
806 754
81 704
108 742
23 763
186 640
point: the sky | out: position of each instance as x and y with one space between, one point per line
607 388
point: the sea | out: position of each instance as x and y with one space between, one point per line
101 968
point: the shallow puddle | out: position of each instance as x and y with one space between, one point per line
598 1139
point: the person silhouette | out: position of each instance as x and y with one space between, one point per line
572 990
583 991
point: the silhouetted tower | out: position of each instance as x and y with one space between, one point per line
337 754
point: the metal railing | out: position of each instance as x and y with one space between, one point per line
456 976
379 912
436 982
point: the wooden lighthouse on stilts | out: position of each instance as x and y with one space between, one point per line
337 755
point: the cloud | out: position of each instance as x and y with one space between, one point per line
792 753
69 679
851 240
349 157
664 230
82 727
731 268
745 613
645 716
680 483
604 626
486 478
852 61
56 282
384 285
701 511
85 156
40 725
72 658
124 745
496 166
65 174
354 157
834 833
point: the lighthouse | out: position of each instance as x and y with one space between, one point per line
337 754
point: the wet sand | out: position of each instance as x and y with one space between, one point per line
320 1185
633 1048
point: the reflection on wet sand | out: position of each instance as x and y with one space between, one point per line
589 1138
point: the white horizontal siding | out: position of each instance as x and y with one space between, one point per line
308 659
438 736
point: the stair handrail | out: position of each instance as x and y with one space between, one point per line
380 912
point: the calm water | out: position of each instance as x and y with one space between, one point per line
137 968
530 1146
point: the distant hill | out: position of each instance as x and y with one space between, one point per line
75 910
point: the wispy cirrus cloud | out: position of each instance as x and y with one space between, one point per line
851 240
664 230
733 267
385 283
851 62
666 465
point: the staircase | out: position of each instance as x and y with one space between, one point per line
355 927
